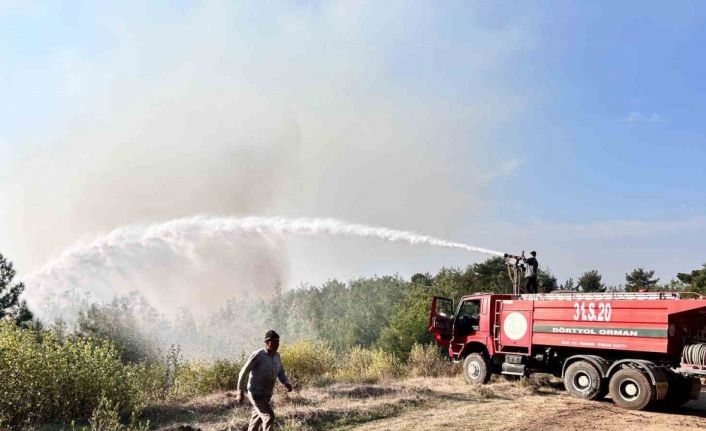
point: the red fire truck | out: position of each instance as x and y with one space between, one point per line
641 348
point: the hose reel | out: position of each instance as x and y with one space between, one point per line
694 354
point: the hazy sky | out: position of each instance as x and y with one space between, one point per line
571 128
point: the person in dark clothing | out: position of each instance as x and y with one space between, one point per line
531 270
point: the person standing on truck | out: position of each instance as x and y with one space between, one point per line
260 371
531 270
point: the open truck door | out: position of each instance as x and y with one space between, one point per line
441 320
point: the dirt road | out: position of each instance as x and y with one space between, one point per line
548 408
433 404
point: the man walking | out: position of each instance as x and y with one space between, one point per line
260 371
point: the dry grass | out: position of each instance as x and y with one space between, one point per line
426 403
338 406
344 404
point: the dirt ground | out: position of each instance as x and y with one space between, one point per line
432 404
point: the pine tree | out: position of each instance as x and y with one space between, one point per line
11 307
570 285
591 281
639 279
694 281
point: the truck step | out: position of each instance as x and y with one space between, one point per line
513 369
692 371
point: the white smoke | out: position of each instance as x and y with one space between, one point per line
172 263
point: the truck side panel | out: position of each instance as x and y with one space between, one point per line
637 325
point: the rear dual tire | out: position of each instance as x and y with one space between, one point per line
680 390
631 389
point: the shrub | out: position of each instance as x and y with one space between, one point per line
425 360
44 379
308 362
174 379
361 365
203 377
106 417
353 366
151 385
385 366
188 381
222 375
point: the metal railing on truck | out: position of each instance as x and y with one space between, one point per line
570 296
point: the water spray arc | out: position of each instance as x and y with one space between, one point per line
136 244
179 231
333 227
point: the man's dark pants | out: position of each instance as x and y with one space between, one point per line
262 414
531 284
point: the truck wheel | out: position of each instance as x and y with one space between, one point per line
679 391
631 389
476 369
582 380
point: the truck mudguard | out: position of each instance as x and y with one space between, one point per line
473 347
601 364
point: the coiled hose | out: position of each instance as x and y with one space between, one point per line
694 354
